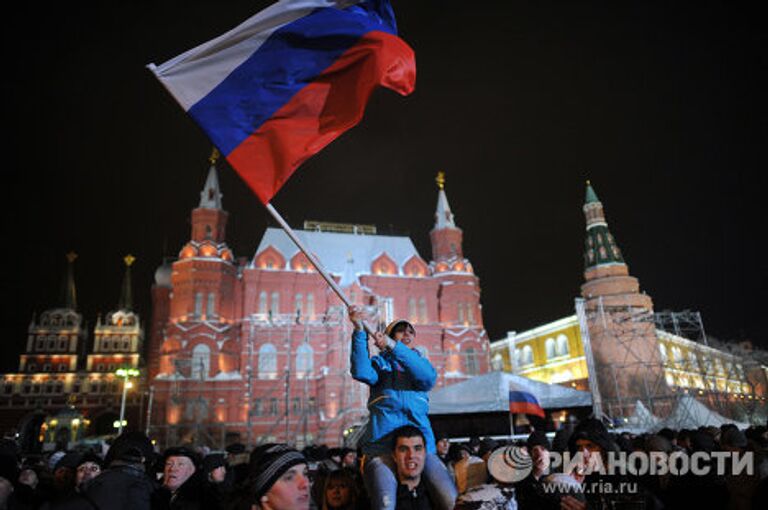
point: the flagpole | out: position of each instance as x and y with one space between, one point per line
288 230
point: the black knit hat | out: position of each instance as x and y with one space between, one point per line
271 463
537 438
593 430
213 461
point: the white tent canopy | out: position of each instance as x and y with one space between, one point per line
689 413
490 393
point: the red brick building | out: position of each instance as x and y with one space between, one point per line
258 348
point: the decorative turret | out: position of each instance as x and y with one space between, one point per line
209 220
126 295
69 293
600 246
446 237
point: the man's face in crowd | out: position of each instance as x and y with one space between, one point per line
349 459
177 470
87 471
442 446
589 451
409 455
540 458
290 491
217 475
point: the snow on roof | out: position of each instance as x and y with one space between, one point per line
345 255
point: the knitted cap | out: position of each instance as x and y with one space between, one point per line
270 465
395 323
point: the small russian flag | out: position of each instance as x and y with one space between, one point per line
522 402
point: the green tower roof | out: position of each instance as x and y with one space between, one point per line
591 195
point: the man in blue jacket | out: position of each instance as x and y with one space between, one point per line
399 379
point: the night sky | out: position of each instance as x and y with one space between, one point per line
662 106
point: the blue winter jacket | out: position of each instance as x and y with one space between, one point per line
399 379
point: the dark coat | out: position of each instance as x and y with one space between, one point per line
194 494
124 486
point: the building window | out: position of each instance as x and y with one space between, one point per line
76 388
46 367
273 407
470 313
62 367
471 362
460 307
550 348
62 343
100 367
412 313
497 363
111 367
267 362
211 305
304 361
40 344
296 407
310 305
31 367
663 352
201 362
51 344
36 388
198 305
299 305
274 309
386 310
562 345
257 407
8 388
59 387
527 355
263 302
26 388
423 318
126 344
311 405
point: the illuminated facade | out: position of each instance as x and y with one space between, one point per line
633 358
258 349
62 376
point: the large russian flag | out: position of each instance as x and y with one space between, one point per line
278 88
522 402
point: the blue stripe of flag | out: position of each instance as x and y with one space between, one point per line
522 396
290 59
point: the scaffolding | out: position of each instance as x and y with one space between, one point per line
642 383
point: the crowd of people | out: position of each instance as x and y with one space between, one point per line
400 463
486 474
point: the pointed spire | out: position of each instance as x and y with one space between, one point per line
126 294
443 214
600 246
591 196
69 294
210 197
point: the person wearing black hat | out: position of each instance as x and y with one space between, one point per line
277 480
124 485
531 491
183 486
88 468
400 379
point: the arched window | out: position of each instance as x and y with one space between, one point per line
562 345
263 302
298 304
211 305
412 314
267 362
310 305
518 357
461 313
693 362
198 304
275 308
497 363
470 313
201 361
423 318
527 355
677 354
550 348
663 352
470 362
304 361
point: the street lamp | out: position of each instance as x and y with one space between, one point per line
125 373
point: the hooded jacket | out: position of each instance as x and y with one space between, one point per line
399 379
